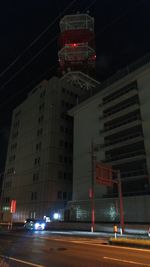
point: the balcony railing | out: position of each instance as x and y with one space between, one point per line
123 138
133 173
125 155
117 76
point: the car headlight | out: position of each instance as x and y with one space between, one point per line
36 225
39 226
43 226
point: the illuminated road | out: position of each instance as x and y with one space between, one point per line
44 249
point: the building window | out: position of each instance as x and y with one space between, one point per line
59 195
40 119
13 147
33 195
16 124
61 128
7 199
35 177
66 144
37 161
14 135
12 158
41 107
70 160
40 132
10 171
8 184
64 195
61 143
63 103
38 147
42 94
60 158
60 175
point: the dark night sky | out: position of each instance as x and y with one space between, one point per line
121 32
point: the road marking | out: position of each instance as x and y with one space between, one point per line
131 262
25 262
92 242
88 242
130 248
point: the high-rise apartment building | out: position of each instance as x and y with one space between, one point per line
116 120
38 173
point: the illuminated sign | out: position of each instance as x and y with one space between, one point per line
13 206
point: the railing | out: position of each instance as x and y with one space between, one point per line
117 76
133 173
123 138
125 155
122 122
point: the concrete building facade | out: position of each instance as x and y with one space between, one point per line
38 172
116 120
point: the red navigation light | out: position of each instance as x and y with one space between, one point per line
72 45
94 57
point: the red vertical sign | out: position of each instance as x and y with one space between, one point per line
13 206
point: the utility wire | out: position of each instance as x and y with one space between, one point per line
36 39
28 63
29 85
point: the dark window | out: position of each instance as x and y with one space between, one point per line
64 195
37 161
61 128
59 195
35 177
33 195
39 132
38 146
61 143
42 94
60 175
40 119
60 158
41 107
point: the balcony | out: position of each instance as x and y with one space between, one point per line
121 127
123 143
118 99
119 139
120 113
134 175
126 157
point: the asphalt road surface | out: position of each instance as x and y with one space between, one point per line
46 249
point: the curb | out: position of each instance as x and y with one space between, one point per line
129 244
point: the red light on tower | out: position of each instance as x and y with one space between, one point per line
74 45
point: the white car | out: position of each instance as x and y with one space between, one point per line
32 224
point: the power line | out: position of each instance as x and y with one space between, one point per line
30 84
28 63
36 39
